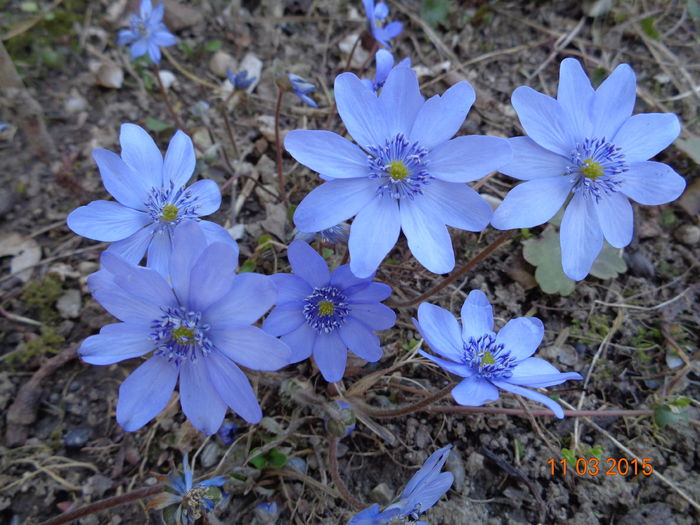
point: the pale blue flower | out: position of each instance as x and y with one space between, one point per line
488 361
326 314
147 33
382 30
240 80
151 199
403 173
586 144
423 491
384 61
301 88
196 326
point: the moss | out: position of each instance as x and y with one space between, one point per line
49 342
40 298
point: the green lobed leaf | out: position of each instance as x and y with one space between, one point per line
649 27
156 125
435 12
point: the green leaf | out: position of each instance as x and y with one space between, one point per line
595 452
545 254
694 9
213 45
276 459
435 12
327 253
649 27
568 455
259 461
156 125
248 266
29 7
667 414
609 263
272 426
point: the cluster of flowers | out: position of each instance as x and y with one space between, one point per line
194 315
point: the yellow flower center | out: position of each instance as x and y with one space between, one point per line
325 308
398 170
488 359
592 169
183 335
169 213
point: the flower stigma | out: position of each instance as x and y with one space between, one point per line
592 169
398 170
325 308
169 213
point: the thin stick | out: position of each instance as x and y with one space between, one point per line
538 412
406 409
278 145
459 273
229 132
166 99
335 475
103 504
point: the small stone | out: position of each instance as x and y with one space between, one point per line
688 234
167 78
253 65
109 76
7 200
359 57
639 264
382 494
77 437
491 200
210 455
455 464
75 104
220 62
69 304
298 464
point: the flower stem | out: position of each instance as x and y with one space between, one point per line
278 145
229 132
538 412
335 475
104 504
406 409
459 273
166 99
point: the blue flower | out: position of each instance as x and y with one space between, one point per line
240 80
384 63
193 501
197 328
423 491
382 30
489 361
334 235
587 144
227 432
404 173
148 32
301 88
151 198
267 513
324 314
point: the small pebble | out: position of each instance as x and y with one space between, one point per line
210 455
688 234
382 494
77 437
69 304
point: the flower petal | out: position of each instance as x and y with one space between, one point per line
247 300
133 248
477 315
521 336
290 287
208 196
532 161
535 396
441 331
544 120
308 264
652 183
368 293
215 233
160 252
333 202
360 111
442 116
189 243
575 95
180 161
343 278
427 236
330 354
373 234
474 391
358 338
532 203
284 319
123 183
200 401
616 218
643 136
301 342
125 306
613 102
140 282
401 99
580 236
107 221
211 277
458 205
116 342
452 367
375 315
250 346
141 153
145 392
536 372
233 387
468 158
327 153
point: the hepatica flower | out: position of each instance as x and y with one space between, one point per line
240 80
489 361
151 198
147 33
197 329
301 88
377 16
586 143
424 489
326 314
384 61
403 173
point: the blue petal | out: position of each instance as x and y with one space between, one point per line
115 343
474 391
543 120
247 300
140 282
360 111
392 30
643 136
532 161
284 319
521 336
360 340
188 243
106 221
333 202
125 185
442 116
401 99
160 252
428 472
477 315
532 203
366 517
384 62
427 236
535 396
330 354
301 342
200 400
616 218
141 154
133 248
122 305
250 346
452 367
233 387
652 183
581 237
290 287
212 276
308 264
215 233
441 331
139 48
371 293
328 153
126 37
180 161
145 393
343 278
613 102
375 315
164 38
373 234
536 372
458 205
154 52
468 158
575 95
430 493
381 11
